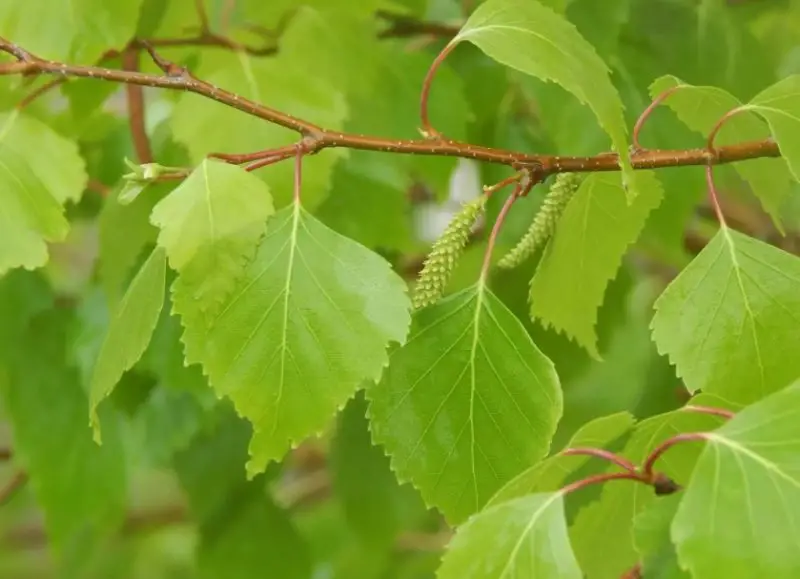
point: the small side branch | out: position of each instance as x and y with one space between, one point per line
136 114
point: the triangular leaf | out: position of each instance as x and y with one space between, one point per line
780 106
586 251
525 537
701 107
740 514
216 202
467 403
210 227
730 321
129 331
532 38
310 320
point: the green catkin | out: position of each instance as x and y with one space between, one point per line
544 224
444 254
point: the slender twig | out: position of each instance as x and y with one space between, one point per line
498 225
601 478
268 161
637 128
602 454
136 114
255 156
17 482
45 88
427 129
298 174
634 572
202 15
490 189
720 123
228 8
98 187
647 469
713 196
710 410
319 138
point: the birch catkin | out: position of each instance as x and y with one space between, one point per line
544 224
444 254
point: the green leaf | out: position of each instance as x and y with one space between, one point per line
81 487
551 473
32 215
365 208
780 106
125 232
242 532
602 533
532 38
651 530
54 159
590 240
257 538
525 537
700 107
466 404
204 126
376 506
730 319
308 322
210 227
129 331
739 514
168 420
209 468
78 31
218 202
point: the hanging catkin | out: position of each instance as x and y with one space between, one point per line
544 224
444 254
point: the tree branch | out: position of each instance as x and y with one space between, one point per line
316 138
136 115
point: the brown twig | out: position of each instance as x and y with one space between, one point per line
650 462
202 15
622 462
498 225
427 129
317 138
634 572
601 478
98 187
136 115
17 482
710 410
637 128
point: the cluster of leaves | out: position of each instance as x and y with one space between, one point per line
195 341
